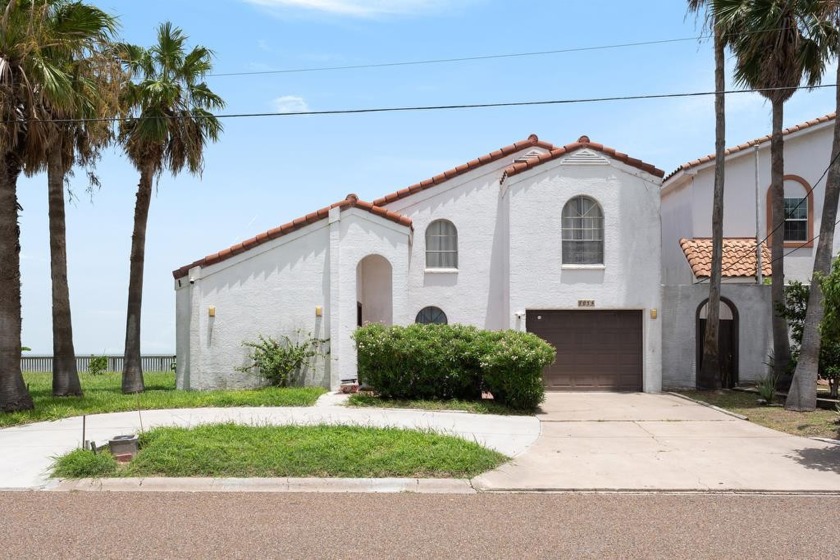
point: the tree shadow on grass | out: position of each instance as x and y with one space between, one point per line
825 459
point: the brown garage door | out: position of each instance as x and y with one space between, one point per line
596 350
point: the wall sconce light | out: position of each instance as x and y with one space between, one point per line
653 313
211 311
319 311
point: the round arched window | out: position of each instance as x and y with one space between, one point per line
431 315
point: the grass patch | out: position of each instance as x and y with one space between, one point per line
477 407
102 393
231 450
85 464
820 423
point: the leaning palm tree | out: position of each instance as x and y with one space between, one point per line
75 135
167 128
803 390
774 55
709 376
34 46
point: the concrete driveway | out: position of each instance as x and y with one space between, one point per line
608 441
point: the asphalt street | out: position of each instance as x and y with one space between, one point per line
47 525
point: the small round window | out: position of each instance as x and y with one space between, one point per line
431 315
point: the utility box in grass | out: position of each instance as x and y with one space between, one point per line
123 448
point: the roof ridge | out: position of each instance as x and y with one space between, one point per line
749 144
350 201
532 141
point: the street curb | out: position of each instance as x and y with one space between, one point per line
673 491
268 485
713 407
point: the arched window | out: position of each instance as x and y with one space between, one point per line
431 315
583 232
798 228
441 245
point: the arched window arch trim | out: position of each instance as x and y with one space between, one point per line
770 224
431 314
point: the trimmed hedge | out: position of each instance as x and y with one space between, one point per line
453 362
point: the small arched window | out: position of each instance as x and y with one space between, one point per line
431 315
798 227
583 232
441 245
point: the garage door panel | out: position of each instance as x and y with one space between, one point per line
596 350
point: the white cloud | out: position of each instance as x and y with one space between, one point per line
290 104
363 8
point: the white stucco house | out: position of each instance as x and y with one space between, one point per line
746 340
562 241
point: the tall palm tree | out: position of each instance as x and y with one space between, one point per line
774 54
709 376
34 45
167 128
803 390
75 136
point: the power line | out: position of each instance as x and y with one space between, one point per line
458 59
445 107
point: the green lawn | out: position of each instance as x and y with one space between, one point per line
477 407
102 394
820 423
230 450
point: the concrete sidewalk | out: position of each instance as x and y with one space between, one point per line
27 451
638 442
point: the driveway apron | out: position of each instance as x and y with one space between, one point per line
636 441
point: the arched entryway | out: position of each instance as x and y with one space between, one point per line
727 340
374 295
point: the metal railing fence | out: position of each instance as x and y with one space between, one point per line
152 362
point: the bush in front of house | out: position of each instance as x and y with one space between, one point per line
440 362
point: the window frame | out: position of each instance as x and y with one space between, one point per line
432 309
808 195
566 257
441 253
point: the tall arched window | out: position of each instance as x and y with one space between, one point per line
798 227
583 232
441 245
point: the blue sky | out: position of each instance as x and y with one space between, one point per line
267 171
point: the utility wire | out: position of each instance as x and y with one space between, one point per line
443 107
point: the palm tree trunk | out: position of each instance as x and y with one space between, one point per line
781 342
65 376
803 390
13 392
132 378
710 377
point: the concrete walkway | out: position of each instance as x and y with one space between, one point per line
27 451
604 441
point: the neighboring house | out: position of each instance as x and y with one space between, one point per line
560 241
745 335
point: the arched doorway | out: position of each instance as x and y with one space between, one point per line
374 296
727 340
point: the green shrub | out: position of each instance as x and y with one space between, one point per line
280 362
97 365
452 362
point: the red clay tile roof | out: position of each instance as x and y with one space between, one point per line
741 147
352 201
532 141
583 142
738 257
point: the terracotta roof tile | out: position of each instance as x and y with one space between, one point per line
352 201
739 259
583 142
741 147
531 141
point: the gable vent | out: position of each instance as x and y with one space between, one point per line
585 157
528 156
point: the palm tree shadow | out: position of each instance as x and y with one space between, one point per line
825 459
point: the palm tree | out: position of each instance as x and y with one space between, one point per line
803 390
75 136
709 376
37 37
167 128
774 54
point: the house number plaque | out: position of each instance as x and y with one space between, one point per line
586 303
